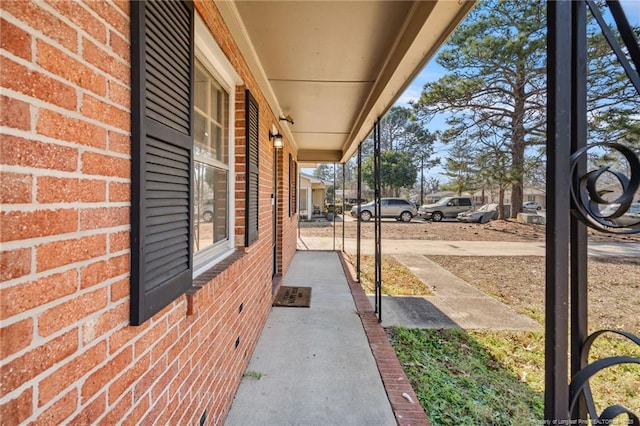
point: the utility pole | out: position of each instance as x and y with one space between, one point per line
422 180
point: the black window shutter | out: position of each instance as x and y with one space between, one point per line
252 181
162 123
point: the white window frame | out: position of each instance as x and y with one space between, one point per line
216 63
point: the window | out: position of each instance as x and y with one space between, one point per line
465 202
182 156
211 193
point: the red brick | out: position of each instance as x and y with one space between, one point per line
23 152
163 382
133 373
18 409
98 379
103 270
116 413
52 255
91 412
119 46
20 225
114 17
70 373
104 323
124 336
15 337
16 188
150 375
14 263
22 297
65 128
35 84
105 165
105 113
43 21
70 190
81 17
67 313
134 418
150 337
34 362
60 410
15 113
15 40
100 58
119 191
63 65
119 290
103 217
120 95
119 142
119 241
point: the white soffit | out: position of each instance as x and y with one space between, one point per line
336 66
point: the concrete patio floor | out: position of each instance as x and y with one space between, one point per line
328 364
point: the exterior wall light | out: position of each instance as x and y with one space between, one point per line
277 139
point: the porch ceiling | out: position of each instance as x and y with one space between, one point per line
336 66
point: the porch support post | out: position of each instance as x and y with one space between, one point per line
556 397
333 222
377 219
309 201
579 241
358 224
343 204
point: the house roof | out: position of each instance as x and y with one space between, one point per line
335 67
314 179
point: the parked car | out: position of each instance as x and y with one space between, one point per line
397 208
483 214
630 218
531 205
446 207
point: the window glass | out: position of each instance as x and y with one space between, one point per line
465 202
211 162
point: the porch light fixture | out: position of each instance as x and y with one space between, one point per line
286 118
277 139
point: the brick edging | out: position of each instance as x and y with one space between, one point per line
396 384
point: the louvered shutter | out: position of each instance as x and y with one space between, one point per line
252 181
162 123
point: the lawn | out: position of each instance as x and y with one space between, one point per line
497 377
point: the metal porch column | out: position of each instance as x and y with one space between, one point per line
573 204
358 223
377 220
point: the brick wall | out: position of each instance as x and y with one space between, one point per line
68 353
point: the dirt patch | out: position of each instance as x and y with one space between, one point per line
498 230
614 286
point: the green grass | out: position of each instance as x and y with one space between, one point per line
397 279
459 379
497 377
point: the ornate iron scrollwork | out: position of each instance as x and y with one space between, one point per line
580 383
589 204
602 198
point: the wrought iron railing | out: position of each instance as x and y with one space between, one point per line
567 148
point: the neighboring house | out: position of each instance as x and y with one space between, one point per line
312 194
491 196
146 210
433 197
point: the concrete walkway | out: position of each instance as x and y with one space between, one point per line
315 365
455 304
460 248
